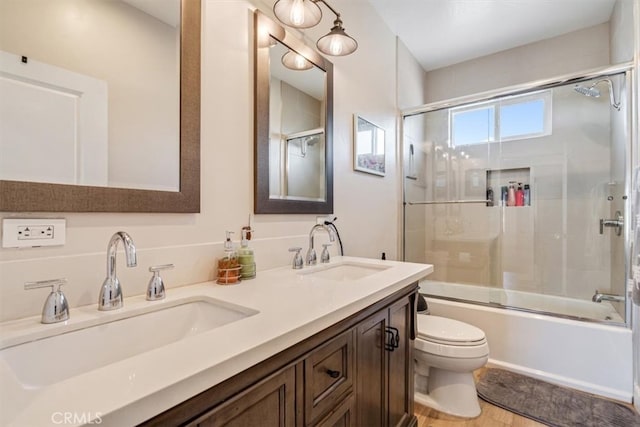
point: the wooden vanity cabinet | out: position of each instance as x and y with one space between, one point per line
385 366
270 403
358 372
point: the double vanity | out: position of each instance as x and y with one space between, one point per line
323 345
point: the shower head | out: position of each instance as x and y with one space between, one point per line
593 92
312 140
587 91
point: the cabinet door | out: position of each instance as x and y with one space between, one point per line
270 403
342 416
401 364
371 365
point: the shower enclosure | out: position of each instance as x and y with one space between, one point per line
519 198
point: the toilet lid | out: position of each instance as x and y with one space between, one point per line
444 330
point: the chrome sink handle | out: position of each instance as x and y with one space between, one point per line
155 289
298 262
56 308
325 257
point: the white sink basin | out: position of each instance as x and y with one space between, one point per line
344 271
49 360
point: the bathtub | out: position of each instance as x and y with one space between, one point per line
588 356
571 307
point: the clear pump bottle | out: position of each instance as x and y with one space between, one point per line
228 267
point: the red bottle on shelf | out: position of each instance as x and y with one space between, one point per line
519 195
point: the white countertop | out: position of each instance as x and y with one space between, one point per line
290 307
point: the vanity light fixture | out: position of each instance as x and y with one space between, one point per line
295 61
307 14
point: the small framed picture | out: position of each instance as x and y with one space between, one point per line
368 147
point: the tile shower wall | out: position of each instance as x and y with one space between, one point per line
367 206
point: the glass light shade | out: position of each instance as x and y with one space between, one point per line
295 61
298 13
337 42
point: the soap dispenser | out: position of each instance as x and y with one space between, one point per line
245 256
228 267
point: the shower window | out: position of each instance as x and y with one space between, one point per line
509 119
472 125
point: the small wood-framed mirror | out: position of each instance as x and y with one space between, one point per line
293 124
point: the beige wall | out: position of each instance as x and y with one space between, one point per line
411 89
568 53
366 205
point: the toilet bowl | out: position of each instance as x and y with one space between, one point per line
446 354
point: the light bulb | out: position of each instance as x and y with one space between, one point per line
297 13
300 61
336 46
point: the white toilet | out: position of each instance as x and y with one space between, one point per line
446 354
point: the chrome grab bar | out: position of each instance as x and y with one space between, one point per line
444 202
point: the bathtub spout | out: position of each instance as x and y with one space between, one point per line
599 297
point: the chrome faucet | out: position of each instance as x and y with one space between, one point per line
599 297
111 292
312 259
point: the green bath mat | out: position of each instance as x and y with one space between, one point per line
551 404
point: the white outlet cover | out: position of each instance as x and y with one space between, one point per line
11 228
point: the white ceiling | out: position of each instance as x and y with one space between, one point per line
167 11
444 32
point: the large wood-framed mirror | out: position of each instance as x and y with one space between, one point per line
32 195
293 124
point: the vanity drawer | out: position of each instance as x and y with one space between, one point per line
328 376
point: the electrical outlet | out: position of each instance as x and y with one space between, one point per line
323 218
35 232
20 233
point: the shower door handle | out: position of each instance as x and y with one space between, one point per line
618 223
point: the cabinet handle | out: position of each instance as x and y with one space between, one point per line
332 373
393 338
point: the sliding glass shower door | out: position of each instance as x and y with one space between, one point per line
520 200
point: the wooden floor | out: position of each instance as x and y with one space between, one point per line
491 416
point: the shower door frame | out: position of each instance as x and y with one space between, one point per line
631 160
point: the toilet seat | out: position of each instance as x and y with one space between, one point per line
448 331
450 338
